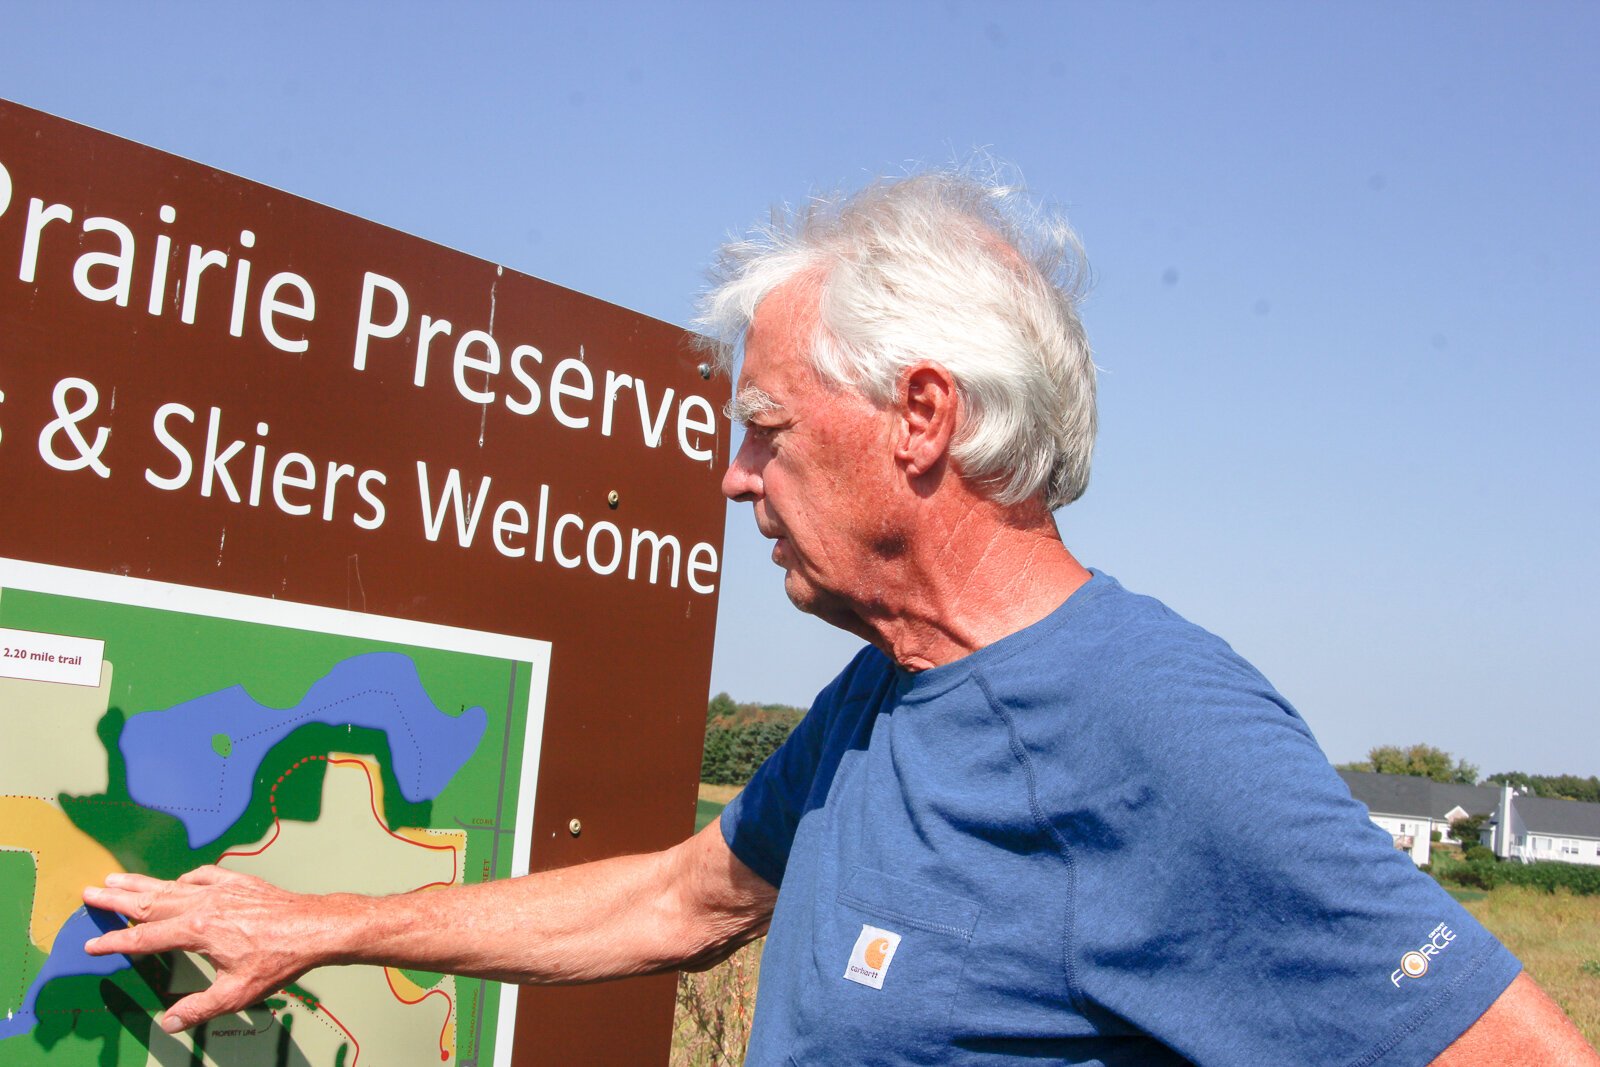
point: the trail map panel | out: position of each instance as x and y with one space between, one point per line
323 750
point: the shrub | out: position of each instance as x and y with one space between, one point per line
1478 854
1480 873
1550 876
1468 830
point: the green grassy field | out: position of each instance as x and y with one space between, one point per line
704 812
709 804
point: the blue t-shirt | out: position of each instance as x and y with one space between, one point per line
1104 839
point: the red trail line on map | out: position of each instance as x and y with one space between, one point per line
449 1010
455 869
323 1008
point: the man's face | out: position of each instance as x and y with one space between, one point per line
816 464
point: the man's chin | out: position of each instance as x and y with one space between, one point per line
802 595
829 608
808 598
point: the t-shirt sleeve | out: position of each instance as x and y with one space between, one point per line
759 823
1259 916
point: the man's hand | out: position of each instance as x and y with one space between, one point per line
688 906
254 933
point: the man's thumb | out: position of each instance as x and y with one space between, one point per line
195 1009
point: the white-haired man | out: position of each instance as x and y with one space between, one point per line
1038 818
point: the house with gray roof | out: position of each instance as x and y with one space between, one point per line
1412 808
1544 828
1520 826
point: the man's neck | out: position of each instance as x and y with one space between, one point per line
983 574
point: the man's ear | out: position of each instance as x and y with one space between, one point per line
928 409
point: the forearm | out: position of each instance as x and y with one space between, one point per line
684 907
1524 1026
608 919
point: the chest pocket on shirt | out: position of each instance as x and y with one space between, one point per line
923 974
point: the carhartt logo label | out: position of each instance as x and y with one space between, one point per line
870 959
1415 964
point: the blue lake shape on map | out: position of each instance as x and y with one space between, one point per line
67 959
172 766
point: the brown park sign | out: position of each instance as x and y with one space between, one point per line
332 554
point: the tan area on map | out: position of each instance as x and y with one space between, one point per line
65 859
51 746
354 1009
348 849
378 1012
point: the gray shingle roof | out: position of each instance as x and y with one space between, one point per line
1474 799
1419 798
1560 818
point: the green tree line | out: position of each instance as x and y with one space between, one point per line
1559 786
1420 761
739 737
1429 761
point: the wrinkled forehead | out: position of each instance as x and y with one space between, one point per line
777 346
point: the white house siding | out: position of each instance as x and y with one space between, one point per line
1509 831
1411 834
1531 847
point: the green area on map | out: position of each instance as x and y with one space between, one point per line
324 810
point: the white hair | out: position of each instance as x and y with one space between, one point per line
961 271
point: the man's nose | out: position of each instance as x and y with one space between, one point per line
741 481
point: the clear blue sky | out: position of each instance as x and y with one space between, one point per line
1345 260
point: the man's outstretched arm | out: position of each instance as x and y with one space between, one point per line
687 908
1523 1026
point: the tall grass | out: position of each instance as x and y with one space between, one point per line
1557 938
712 1026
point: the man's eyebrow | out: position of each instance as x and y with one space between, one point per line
748 403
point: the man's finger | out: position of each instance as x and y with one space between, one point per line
118 900
158 901
141 940
134 882
211 874
223 997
